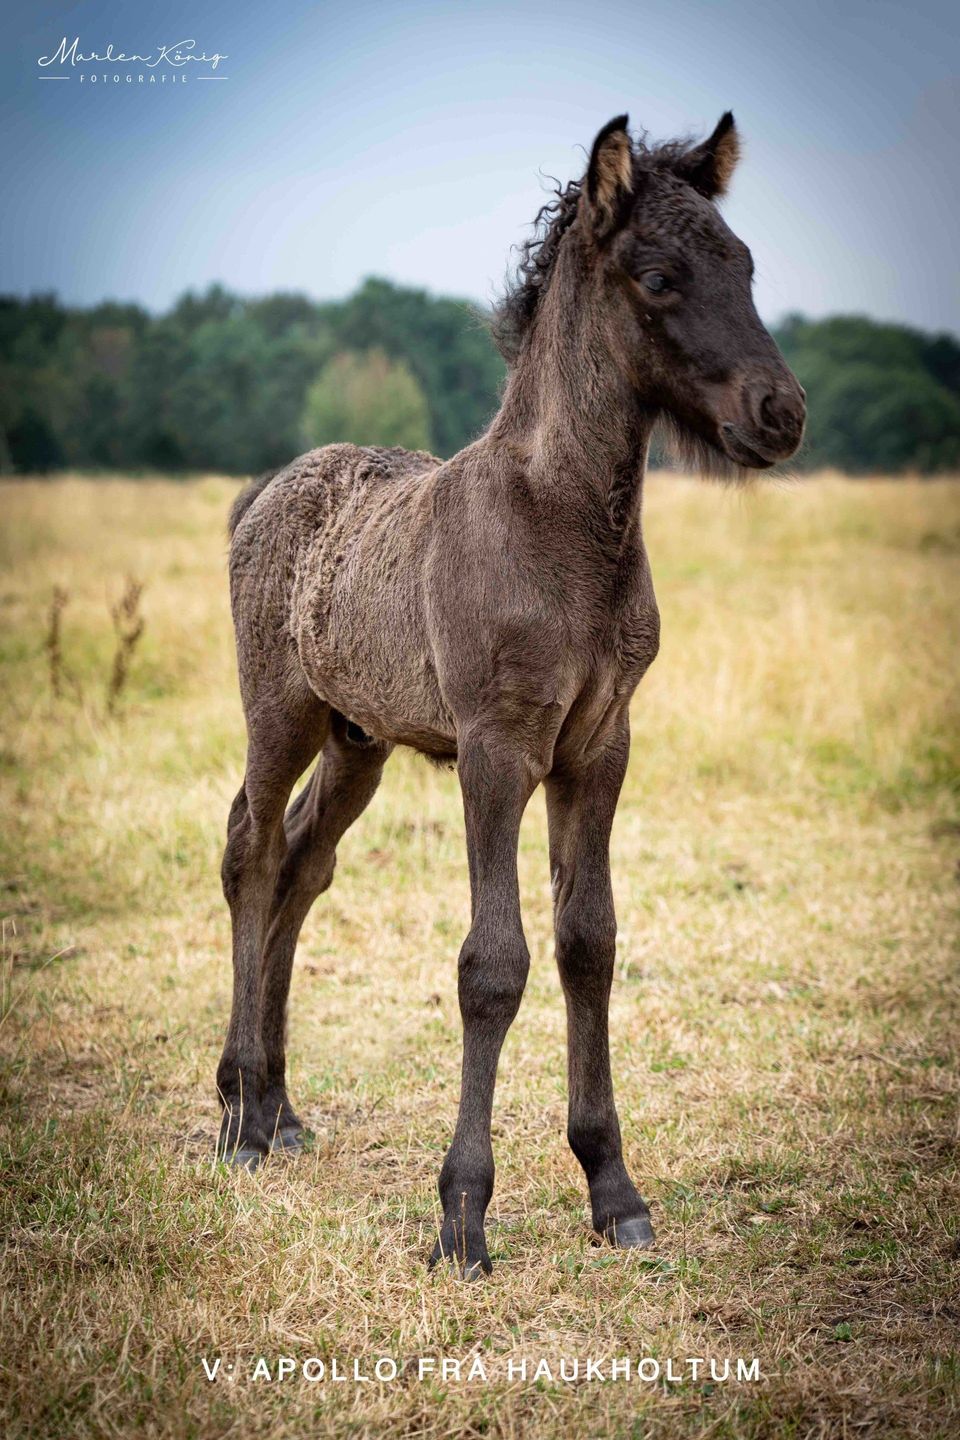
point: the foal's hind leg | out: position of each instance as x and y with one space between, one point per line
284 736
580 808
343 784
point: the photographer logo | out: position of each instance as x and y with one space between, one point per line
167 65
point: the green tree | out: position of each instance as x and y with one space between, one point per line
863 416
368 400
220 382
446 345
879 397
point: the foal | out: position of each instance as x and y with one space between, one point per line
496 609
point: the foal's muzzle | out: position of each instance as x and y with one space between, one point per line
769 426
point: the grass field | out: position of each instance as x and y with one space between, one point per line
784 1020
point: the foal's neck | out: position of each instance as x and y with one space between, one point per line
575 420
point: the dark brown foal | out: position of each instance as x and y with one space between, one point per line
496 609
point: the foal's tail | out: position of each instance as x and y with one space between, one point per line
246 498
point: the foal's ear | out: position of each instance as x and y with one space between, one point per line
708 166
609 182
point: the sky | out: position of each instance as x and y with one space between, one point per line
414 140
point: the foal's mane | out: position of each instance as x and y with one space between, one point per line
513 314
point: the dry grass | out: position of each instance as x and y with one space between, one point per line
784 1021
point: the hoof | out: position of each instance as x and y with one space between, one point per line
245 1157
288 1139
634 1234
460 1269
473 1272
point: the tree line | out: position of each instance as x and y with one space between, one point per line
238 385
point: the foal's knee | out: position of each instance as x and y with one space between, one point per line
586 946
492 977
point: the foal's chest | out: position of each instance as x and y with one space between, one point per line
633 623
620 652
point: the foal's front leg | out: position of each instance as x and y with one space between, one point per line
493 967
580 808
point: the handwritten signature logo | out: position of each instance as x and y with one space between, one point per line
178 56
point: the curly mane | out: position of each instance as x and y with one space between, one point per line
514 313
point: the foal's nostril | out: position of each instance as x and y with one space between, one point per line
772 411
780 412
768 412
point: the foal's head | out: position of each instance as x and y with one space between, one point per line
639 249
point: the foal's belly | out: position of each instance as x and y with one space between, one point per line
363 646
383 682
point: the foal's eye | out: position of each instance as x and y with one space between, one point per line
655 282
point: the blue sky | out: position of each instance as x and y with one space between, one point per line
410 140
